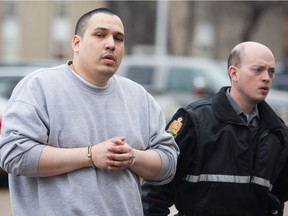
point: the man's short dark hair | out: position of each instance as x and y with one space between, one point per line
234 58
83 20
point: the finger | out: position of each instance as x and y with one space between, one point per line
119 156
119 149
118 164
118 140
115 168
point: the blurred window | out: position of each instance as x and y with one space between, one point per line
61 28
60 9
181 79
280 82
10 32
142 74
10 9
7 85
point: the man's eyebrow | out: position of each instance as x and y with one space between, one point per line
105 29
99 28
263 66
120 34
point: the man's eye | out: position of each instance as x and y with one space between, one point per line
120 39
271 73
257 70
100 35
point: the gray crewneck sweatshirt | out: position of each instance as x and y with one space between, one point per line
56 107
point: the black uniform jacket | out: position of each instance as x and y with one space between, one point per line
222 170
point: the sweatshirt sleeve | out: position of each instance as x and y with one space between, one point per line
163 143
24 133
157 199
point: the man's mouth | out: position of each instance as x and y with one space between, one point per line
264 89
109 57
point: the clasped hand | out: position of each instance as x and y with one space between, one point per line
113 154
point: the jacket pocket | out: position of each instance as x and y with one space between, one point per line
203 202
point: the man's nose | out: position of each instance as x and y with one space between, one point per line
267 75
110 43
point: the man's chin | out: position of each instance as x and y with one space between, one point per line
108 72
260 99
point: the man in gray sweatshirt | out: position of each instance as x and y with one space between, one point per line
76 138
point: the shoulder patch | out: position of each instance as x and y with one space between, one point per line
175 126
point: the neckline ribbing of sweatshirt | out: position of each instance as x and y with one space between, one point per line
90 87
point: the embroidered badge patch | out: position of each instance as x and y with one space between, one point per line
175 126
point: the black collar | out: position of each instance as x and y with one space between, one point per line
225 112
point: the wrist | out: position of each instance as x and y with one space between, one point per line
90 157
133 158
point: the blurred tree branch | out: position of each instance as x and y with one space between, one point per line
256 10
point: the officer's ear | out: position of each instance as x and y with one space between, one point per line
233 72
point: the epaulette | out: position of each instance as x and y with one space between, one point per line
194 105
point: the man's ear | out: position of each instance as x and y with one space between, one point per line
75 42
233 73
